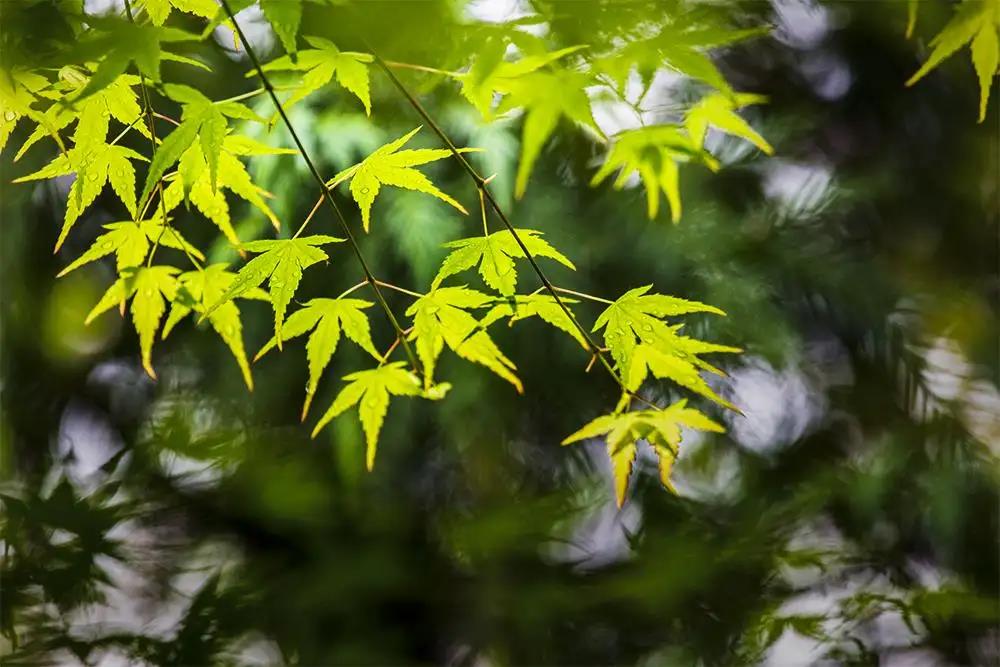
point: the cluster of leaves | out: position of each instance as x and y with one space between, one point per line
203 156
976 24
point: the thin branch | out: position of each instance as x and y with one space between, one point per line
369 276
485 192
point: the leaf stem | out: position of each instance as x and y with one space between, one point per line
352 289
242 96
582 295
166 118
328 195
402 290
482 207
419 68
319 202
392 348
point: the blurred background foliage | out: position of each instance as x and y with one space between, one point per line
850 515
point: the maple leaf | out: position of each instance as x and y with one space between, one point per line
654 152
19 91
95 164
159 10
543 306
199 288
326 318
660 428
490 75
282 261
370 391
118 100
320 64
977 24
115 43
130 241
640 342
201 119
719 111
494 254
441 318
192 180
390 166
545 98
149 287
285 18
683 45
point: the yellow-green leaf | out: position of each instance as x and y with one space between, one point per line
370 390
494 254
390 166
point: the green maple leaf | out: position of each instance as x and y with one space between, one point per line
654 153
199 288
115 43
320 64
641 343
542 306
131 241
977 24
281 262
719 111
118 100
441 318
660 428
95 164
159 10
389 165
546 97
19 91
491 75
201 119
285 18
326 318
370 391
494 255
193 181
683 45
149 287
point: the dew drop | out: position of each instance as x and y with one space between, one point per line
148 292
648 327
10 116
92 176
107 245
